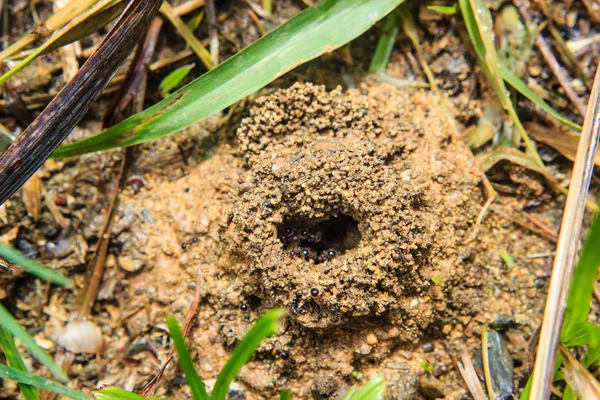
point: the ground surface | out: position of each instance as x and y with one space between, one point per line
355 208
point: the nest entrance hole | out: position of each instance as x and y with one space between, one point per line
319 240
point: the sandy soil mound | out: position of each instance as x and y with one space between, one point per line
339 213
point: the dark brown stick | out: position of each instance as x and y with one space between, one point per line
54 124
134 85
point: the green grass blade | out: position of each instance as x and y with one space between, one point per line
13 256
173 79
13 357
8 322
115 393
448 10
385 44
521 87
584 278
319 29
350 393
264 327
583 333
478 21
185 361
285 395
40 383
372 390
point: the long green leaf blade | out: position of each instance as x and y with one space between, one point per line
13 256
171 81
8 322
385 44
372 390
285 395
115 393
521 87
264 327
13 357
185 361
584 278
40 383
319 29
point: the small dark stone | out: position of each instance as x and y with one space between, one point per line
267 203
186 190
314 292
503 322
501 366
305 253
136 184
428 347
244 307
293 308
293 253
331 253
29 250
179 380
284 355
235 394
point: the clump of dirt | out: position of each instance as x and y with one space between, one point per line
352 207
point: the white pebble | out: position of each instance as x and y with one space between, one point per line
82 337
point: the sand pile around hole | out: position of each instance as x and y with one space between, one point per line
382 158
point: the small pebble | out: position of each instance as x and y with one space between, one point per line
60 201
372 339
314 292
428 347
284 355
136 184
244 307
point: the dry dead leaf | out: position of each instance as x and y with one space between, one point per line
10 236
32 196
583 383
488 160
561 141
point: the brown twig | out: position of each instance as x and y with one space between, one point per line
54 124
566 248
467 371
558 71
136 75
134 86
96 269
150 388
540 225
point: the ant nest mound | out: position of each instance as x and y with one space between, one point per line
357 203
